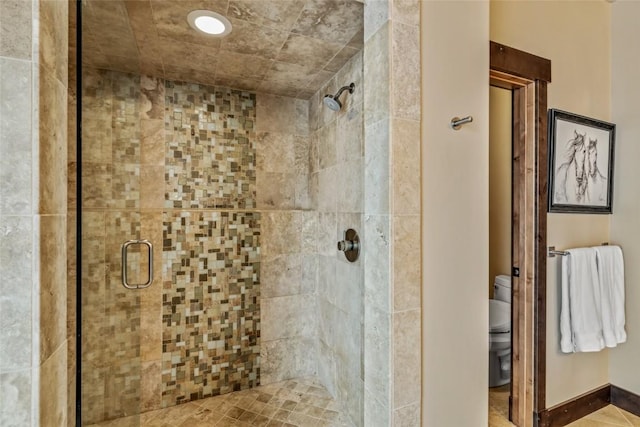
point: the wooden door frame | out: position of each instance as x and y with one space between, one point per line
527 76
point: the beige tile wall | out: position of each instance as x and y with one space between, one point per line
392 213
33 212
288 230
33 209
337 162
310 177
18 218
288 276
53 93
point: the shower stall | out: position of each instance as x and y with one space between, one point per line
216 177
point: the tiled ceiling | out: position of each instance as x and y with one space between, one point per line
282 47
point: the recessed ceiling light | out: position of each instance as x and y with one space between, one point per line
209 23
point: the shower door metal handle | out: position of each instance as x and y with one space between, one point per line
125 248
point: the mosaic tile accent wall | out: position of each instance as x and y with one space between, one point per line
211 309
210 150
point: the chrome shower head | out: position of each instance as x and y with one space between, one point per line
333 102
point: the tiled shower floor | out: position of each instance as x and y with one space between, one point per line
300 402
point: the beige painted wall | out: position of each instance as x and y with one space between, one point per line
455 216
625 227
575 36
499 184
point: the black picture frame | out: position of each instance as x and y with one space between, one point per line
581 157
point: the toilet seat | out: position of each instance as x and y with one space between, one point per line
499 316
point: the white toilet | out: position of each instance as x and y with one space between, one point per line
500 332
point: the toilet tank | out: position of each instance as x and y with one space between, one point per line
502 288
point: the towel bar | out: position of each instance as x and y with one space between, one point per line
551 251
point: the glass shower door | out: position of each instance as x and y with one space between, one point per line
116 256
115 264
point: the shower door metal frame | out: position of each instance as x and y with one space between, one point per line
78 254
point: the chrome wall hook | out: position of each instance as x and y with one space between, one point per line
457 122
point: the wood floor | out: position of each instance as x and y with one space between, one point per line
499 406
609 416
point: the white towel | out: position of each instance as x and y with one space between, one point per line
611 279
580 314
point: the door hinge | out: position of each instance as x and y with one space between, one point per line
515 272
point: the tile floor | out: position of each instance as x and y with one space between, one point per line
609 416
300 402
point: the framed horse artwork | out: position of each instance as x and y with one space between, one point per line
580 163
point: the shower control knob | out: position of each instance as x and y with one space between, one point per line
350 245
346 245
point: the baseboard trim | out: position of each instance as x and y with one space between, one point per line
576 408
626 400
583 405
